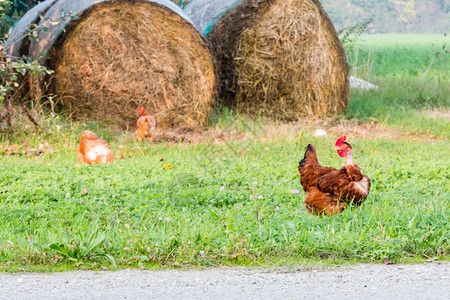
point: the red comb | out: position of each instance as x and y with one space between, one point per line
340 140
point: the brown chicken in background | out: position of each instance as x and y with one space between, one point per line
93 150
329 189
146 125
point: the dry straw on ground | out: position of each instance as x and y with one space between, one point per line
280 58
121 54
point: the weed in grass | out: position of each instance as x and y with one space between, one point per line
83 248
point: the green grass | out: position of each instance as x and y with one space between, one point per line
138 213
404 104
149 214
400 55
411 80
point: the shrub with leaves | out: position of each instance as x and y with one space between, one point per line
14 69
349 35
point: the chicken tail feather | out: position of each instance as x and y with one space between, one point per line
310 154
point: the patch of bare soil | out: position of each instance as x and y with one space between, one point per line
268 132
370 130
441 114
199 135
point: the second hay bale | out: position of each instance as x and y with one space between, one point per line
279 58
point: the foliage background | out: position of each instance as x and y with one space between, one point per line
389 16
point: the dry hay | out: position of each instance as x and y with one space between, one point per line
122 54
281 58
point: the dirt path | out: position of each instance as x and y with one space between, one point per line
364 281
331 126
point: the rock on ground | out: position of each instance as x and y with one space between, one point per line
361 84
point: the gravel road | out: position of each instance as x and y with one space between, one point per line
363 281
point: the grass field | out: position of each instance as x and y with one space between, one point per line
230 202
414 83
401 55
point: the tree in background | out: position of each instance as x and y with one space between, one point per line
12 11
391 16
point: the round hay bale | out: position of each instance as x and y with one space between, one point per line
279 58
121 54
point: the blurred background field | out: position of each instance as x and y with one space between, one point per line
401 55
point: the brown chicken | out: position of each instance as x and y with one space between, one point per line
93 150
146 125
329 189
